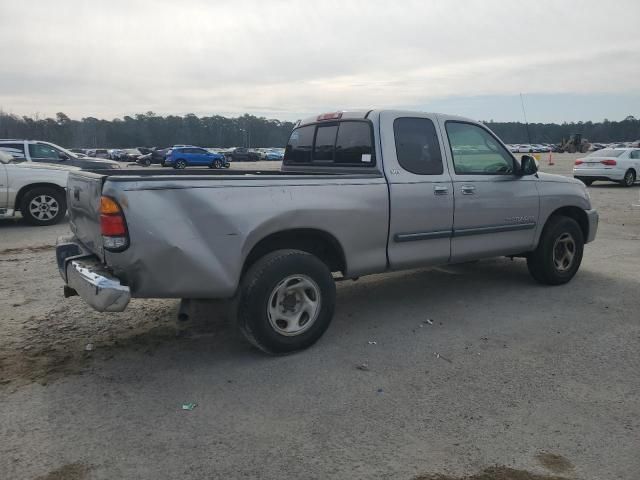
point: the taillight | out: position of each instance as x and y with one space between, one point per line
579 162
608 162
113 226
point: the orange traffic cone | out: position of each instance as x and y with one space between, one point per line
551 158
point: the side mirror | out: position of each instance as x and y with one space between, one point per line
63 156
528 165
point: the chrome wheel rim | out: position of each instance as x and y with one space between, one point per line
294 305
44 207
564 252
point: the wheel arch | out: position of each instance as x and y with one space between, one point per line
571 211
23 191
314 241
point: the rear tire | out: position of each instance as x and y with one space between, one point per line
559 253
286 301
629 178
43 206
180 164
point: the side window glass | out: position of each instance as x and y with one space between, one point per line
43 153
298 148
16 150
417 147
476 152
325 143
635 154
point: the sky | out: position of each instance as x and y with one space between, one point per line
571 60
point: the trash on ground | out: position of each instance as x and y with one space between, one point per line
443 358
429 321
380 390
363 366
189 406
88 347
373 343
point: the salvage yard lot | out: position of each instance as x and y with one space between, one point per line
466 367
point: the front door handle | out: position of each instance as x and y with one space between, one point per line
440 190
468 189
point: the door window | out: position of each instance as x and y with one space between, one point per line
635 154
43 153
417 147
476 152
16 150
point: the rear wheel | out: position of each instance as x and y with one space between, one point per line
559 252
629 178
180 164
43 206
286 301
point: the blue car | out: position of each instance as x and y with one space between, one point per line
274 155
183 157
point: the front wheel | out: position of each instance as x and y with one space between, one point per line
559 252
286 301
629 178
43 206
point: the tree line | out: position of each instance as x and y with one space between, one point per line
150 129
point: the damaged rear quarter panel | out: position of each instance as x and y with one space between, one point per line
190 237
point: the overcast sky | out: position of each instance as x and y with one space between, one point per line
571 60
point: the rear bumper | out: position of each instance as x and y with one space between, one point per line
599 173
85 275
592 217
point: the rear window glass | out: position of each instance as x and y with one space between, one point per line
300 143
354 143
346 143
325 143
607 152
417 147
16 150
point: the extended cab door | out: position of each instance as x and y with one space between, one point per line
496 211
420 190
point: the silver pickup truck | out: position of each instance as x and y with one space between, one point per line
358 193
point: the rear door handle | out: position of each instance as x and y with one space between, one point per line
468 189
440 190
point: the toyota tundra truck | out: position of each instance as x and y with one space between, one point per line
358 193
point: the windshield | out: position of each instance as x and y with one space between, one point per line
606 153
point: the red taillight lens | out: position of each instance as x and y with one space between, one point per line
112 225
608 162
579 162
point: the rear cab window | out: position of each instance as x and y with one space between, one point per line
16 150
346 143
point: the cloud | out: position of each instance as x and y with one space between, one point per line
287 59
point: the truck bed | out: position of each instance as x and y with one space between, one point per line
206 222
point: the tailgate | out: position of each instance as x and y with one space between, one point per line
83 203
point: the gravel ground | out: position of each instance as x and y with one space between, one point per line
510 380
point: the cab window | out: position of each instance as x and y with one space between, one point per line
43 153
476 152
417 147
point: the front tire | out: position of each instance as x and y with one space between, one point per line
286 301
629 178
43 206
559 253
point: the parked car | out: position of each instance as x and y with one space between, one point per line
194 156
620 165
524 148
274 155
36 190
45 152
271 240
98 153
242 154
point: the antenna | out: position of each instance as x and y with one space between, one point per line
524 113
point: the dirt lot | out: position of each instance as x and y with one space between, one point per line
511 381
